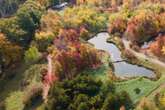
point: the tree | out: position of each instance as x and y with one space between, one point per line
29 15
85 93
24 23
74 58
32 55
84 16
157 46
8 7
10 52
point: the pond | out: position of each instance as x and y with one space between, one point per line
122 69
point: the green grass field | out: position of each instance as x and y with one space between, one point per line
145 85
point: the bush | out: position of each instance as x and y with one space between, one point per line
32 55
137 90
32 93
33 74
15 101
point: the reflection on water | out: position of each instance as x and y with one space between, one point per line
121 68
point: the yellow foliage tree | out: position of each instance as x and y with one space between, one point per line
9 52
163 50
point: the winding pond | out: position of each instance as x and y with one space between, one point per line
122 69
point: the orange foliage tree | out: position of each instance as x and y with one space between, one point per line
144 26
157 46
70 56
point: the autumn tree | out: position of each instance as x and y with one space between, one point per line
10 53
29 15
146 22
9 7
157 46
24 23
84 93
84 16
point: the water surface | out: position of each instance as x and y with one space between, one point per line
122 69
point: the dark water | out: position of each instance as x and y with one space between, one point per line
123 69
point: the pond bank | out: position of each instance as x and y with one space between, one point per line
122 68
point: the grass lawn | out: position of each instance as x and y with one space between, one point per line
145 85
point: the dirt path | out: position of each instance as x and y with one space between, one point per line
141 55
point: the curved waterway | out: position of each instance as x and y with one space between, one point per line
122 69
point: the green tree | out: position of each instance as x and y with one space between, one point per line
32 55
29 15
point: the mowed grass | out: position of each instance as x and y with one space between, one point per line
145 85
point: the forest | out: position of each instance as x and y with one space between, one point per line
82 54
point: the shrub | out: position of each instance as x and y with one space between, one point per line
33 92
137 90
32 55
15 101
33 74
